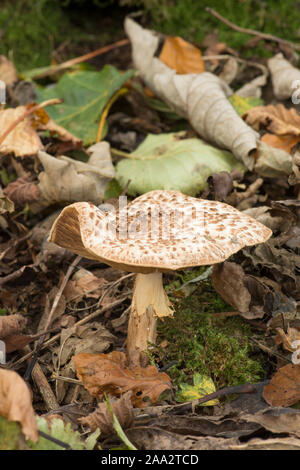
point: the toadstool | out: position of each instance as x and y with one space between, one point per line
158 232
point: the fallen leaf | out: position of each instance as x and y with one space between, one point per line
284 76
15 403
283 142
201 98
67 180
108 374
202 386
173 163
22 190
272 162
284 387
102 418
83 283
8 73
6 205
242 105
181 56
85 95
277 443
287 339
276 119
11 324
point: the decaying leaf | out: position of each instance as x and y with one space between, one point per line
6 205
284 77
11 324
22 190
181 56
276 119
282 142
272 162
287 339
277 443
173 163
243 104
15 403
284 387
108 374
202 98
101 418
8 73
67 180
202 386
83 283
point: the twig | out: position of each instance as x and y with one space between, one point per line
69 63
252 32
26 113
80 322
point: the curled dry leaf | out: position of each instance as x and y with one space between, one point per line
22 190
272 162
68 180
276 119
230 281
201 98
15 403
181 56
11 324
102 418
109 374
284 76
287 339
284 387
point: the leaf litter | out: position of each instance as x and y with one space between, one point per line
75 316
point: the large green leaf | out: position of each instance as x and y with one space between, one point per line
166 161
85 95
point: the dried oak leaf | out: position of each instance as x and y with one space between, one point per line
201 98
181 56
276 119
284 387
109 374
11 324
102 418
15 403
284 76
22 190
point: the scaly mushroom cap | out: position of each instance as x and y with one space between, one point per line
160 230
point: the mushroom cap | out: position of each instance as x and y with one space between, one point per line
160 230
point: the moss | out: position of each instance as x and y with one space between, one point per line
201 341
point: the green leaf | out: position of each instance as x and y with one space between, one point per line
118 428
166 161
242 105
85 95
203 385
63 432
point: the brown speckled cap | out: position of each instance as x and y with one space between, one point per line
158 231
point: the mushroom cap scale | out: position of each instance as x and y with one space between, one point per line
159 231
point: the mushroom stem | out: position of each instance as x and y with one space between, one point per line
149 301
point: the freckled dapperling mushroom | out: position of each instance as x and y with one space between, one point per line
158 232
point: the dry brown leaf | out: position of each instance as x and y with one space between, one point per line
23 139
272 162
284 142
287 339
8 73
276 119
201 98
181 56
277 443
22 190
11 324
84 283
109 374
102 418
284 387
283 76
230 281
15 403
44 122
67 180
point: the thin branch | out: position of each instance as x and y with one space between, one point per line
252 32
